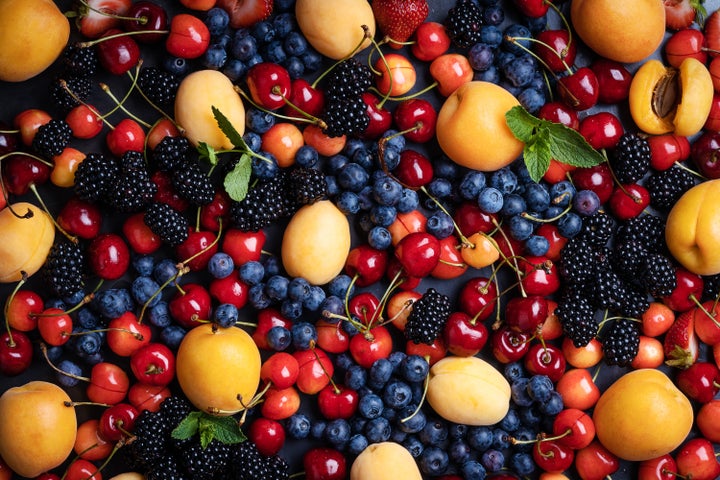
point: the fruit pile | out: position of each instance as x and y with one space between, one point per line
266 239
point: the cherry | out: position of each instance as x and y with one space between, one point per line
331 337
451 264
162 128
545 360
526 314
117 53
433 352
305 98
28 121
414 169
269 85
471 219
323 463
696 459
574 428
557 242
601 130
146 16
508 346
126 136
55 326
266 319
16 352
190 304
166 192
147 397
667 149
242 246
108 256
84 121
153 364
337 401
704 154
21 172
267 435
80 218
280 369
189 37
126 334
685 43
364 306
117 422
141 239
700 381
688 291
477 298
380 117
614 80
21 310
197 249
280 404
595 462
579 90
707 323
555 49
558 112
108 383
366 264
89 445
315 370
597 178
658 468
81 469
431 41
552 456
463 336
417 118
231 290
450 71
532 8
418 253
8 139
539 275
629 201
372 345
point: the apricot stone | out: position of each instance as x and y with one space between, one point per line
26 242
385 461
33 33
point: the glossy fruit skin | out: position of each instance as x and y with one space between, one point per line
373 345
697 458
700 381
149 16
366 264
191 305
108 384
614 80
80 218
268 435
109 256
117 420
153 364
579 90
463 336
556 49
16 353
416 114
118 55
545 360
337 402
315 370
323 463
200 246
189 36
269 85
526 314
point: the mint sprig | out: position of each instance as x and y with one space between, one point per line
209 427
545 140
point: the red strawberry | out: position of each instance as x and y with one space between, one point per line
95 17
681 343
681 14
711 30
398 19
245 13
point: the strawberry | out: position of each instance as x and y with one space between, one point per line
95 17
398 19
245 13
681 343
681 14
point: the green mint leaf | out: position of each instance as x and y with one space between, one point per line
207 153
570 147
207 434
238 179
537 154
228 129
227 430
521 123
187 427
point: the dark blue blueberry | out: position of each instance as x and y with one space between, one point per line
481 56
391 158
357 424
243 46
344 361
254 60
532 99
440 187
279 338
94 359
380 372
226 315
295 44
398 436
561 193
298 289
272 266
520 71
159 314
355 377
536 24
413 445
473 470
275 52
513 204
501 438
223 40
490 200
471 184
74 298
220 265
55 303
513 370
264 167
537 197
511 421
214 57
298 426
370 406
143 264
276 287
507 85
522 463
553 405
357 443
55 353
390 414
408 201
172 335
312 60
569 225
337 432
491 35
553 213
113 302
386 190
383 215
539 388
433 461
307 156
494 15
502 58
73 371
443 167
396 358
350 328
440 224
254 143
378 430
86 318
176 65
234 69
339 285
294 66
393 140
491 75
586 203
517 38
504 179
251 272
366 200
459 451
284 22
317 429
537 245
457 431
524 437
363 157
304 335
259 121
314 301
480 438
353 177
520 227
263 31
519 392
217 20
352 145
411 419
435 432
530 416
493 460
87 343
414 368
397 394
379 238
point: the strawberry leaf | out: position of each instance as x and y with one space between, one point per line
228 129
237 181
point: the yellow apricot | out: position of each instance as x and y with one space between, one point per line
385 461
26 242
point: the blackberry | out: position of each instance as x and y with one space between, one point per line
278 468
635 303
167 223
94 176
428 317
159 86
711 287
609 291
597 229
647 229
249 463
630 159
170 153
577 317
628 257
667 186
620 345
345 116
133 189
263 205
576 263
204 463
167 468
463 23
63 271
349 78
658 275
52 138
150 444
191 183
175 409
307 185
67 93
79 61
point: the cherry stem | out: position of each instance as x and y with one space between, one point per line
691 171
138 336
385 95
336 389
105 88
91 43
27 154
426 383
408 97
514 258
150 102
80 101
43 349
73 13
71 238
547 220
514 41
9 131
11 342
307 118
463 238
182 270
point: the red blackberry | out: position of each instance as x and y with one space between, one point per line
630 159
94 176
307 185
647 229
170 153
349 78
170 225
621 343
597 229
64 268
52 138
79 61
428 317
263 204
67 92
658 275
463 23
345 116
667 186
133 189
158 85
577 317
191 183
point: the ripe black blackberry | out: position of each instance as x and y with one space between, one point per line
577 317
263 205
576 263
597 229
463 23
159 86
205 463
167 468
150 444
711 287
133 189
628 257
609 291
621 343
192 183
167 223
307 185
249 464
345 116
635 303
64 268
646 229
175 409
658 275
52 138
61 88
79 61
278 468
170 153
349 78
630 159
667 186
94 176
428 317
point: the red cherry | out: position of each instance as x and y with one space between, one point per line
55 326
508 346
463 336
16 352
269 85
366 264
574 427
526 314
667 149
555 48
613 79
280 404
414 169
552 456
147 16
21 310
20 172
108 256
601 130
558 112
322 463
153 364
557 242
372 345
545 360
685 43
331 336
147 397
696 458
166 192
281 369
380 117
80 218
579 90
305 98
230 290
242 246
418 253
451 264
126 334
704 152
337 401
364 306
141 239
127 136
540 276
268 435
189 36
431 41
190 304
658 468
117 422
598 178
108 383
200 246
84 121
532 8
471 219
700 381
267 319
315 370
417 118
595 462
477 298
82 469
629 201
688 291
118 54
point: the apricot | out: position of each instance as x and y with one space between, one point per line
471 127
33 33
129 476
385 461
636 405
468 390
197 94
218 369
692 230
621 35
335 32
671 100
38 431
316 243
26 242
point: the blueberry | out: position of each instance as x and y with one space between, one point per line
440 225
530 416
172 335
337 432
459 451
159 314
525 436
357 443
511 421
397 394
275 52
254 143
408 201
312 60
143 264
294 67
433 461
391 158
561 193
387 191
520 227
344 361
383 215
537 197
539 388
363 157
226 315
251 272
259 121
370 406
307 156
113 302
471 184
501 438
517 38
217 20
295 44
490 200
298 426
390 414
263 31
366 200
537 245
413 445
234 69
72 369
304 335
411 420
553 405
440 188
283 23
379 373
272 266
532 99
214 57
491 36
378 430
536 24
276 287
493 460
379 238
586 203
513 204
279 338
176 65
434 433
513 371
519 392
473 470
503 57
504 180
520 71
339 286
396 358
220 265
480 438
352 177
414 368
493 15
491 75
87 343
355 377
522 463
315 299
569 225
443 167
393 140
298 289
86 318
